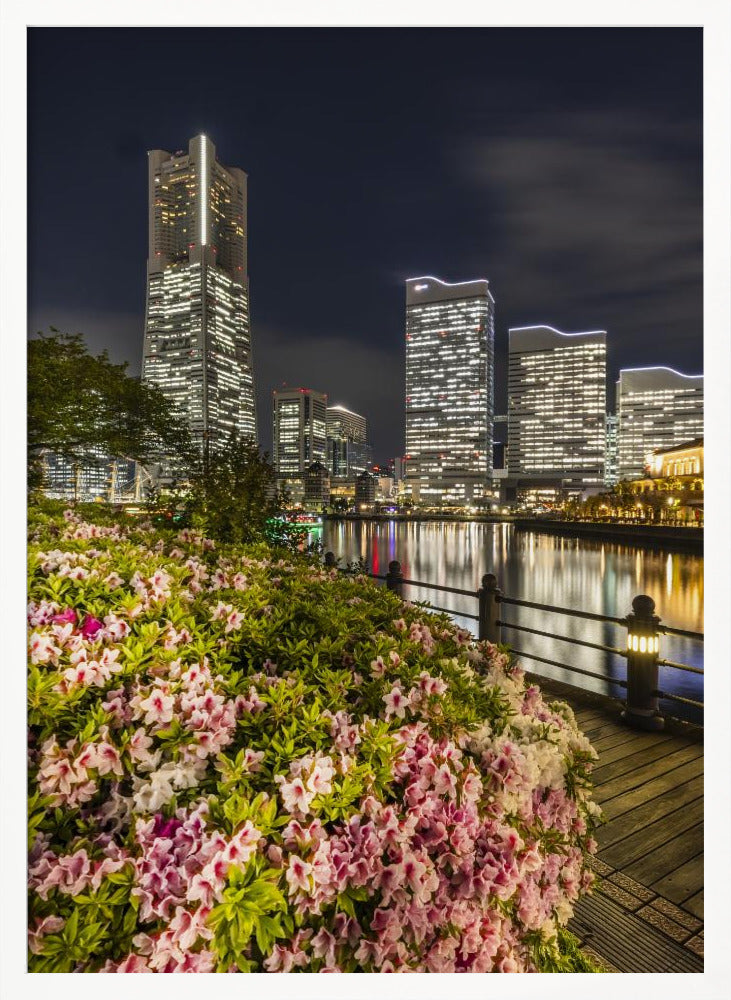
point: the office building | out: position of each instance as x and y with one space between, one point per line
450 334
197 346
365 488
556 409
348 451
611 469
316 485
300 422
658 408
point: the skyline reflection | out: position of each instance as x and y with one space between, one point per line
590 575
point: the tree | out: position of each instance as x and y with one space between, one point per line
233 495
81 404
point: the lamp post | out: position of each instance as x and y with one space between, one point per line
489 596
643 646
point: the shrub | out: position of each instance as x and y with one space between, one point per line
241 761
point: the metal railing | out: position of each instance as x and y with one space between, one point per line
641 651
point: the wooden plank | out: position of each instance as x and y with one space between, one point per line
622 744
668 858
695 905
586 716
593 716
599 732
642 841
648 812
603 772
644 774
653 789
682 883
626 941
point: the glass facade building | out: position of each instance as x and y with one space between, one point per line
197 345
657 408
611 471
299 433
557 406
450 336
348 451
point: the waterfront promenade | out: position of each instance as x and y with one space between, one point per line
646 914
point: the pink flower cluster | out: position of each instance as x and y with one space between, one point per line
436 869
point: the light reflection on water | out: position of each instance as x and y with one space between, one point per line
596 576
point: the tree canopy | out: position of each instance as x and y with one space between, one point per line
80 403
233 494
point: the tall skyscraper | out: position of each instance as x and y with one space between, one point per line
300 423
657 408
197 337
557 403
348 451
611 469
450 337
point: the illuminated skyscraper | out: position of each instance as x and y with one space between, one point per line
197 338
300 422
557 403
657 408
611 469
348 451
450 335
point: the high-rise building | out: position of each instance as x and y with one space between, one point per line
348 451
611 469
657 408
197 337
450 336
557 402
300 423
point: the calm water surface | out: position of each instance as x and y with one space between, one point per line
595 576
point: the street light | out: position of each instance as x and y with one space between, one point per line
643 646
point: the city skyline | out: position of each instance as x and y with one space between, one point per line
460 200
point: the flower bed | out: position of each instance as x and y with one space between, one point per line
244 762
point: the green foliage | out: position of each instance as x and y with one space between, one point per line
232 495
251 917
79 403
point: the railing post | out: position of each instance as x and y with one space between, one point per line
330 561
643 646
394 577
489 596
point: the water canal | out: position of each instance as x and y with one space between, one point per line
597 576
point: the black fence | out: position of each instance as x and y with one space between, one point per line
641 652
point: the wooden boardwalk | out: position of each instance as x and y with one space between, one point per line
647 912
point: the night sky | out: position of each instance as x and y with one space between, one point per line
564 165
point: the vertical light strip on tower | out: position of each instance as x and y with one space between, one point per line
204 192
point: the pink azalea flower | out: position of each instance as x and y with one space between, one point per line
69 615
91 626
396 703
295 797
378 667
233 621
158 707
298 874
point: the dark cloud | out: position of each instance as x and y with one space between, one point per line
600 216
